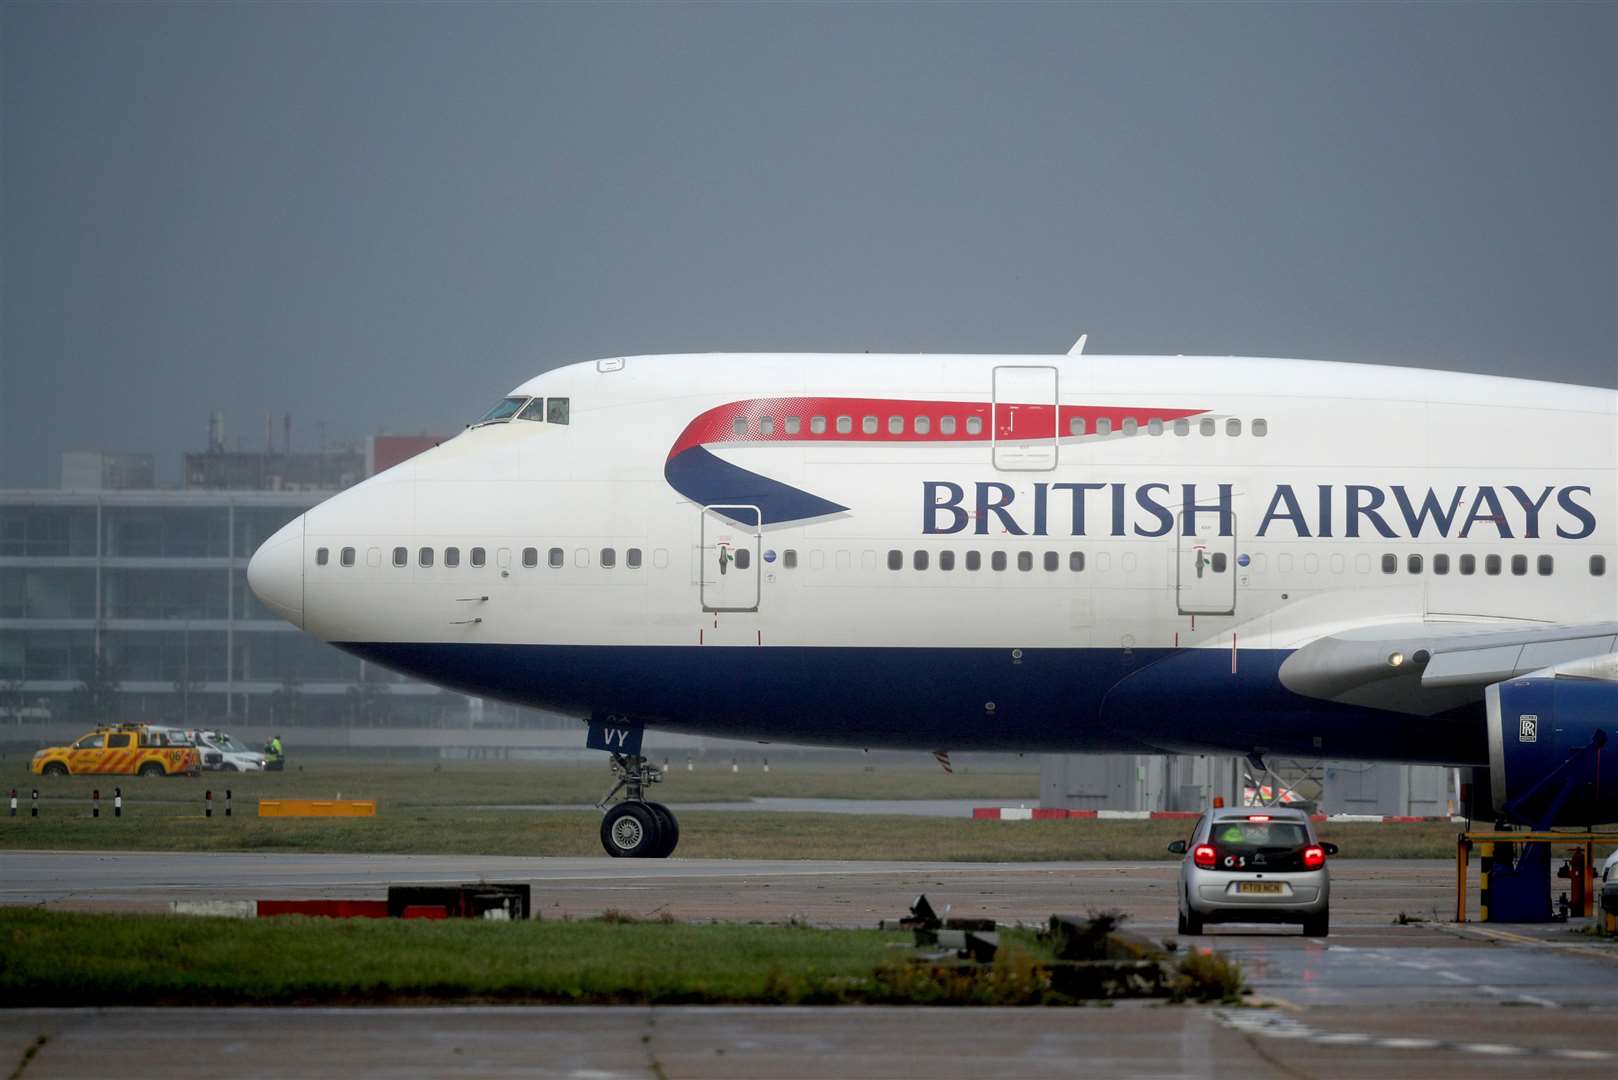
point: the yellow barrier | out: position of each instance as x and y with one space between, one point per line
317 808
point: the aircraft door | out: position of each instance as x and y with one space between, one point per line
1025 412
729 558
1205 566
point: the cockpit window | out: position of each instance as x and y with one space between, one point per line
535 411
556 410
504 409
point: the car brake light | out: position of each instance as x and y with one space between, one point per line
1314 857
1203 856
1258 817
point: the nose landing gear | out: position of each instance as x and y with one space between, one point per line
636 828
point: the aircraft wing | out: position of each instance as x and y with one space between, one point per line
1425 668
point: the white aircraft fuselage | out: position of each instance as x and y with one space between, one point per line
1063 553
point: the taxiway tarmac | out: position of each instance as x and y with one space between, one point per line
1374 999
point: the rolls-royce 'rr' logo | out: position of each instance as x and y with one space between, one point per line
1528 728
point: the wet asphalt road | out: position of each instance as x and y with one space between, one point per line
1373 999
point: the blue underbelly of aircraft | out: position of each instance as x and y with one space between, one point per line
995 699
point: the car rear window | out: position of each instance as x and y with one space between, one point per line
1259 834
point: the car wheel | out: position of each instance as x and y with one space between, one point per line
1317 925
1190 920
229 767
55 768
152 768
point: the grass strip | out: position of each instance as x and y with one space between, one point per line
69 959
475 783
703 834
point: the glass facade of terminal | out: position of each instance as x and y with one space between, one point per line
154 584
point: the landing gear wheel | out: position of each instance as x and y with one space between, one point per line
669 829
631 830
1318 925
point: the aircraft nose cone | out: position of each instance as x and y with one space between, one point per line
275 572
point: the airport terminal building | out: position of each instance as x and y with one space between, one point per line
119 599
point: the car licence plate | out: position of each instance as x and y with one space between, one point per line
1268 888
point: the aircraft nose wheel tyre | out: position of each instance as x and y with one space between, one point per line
670 828
632 830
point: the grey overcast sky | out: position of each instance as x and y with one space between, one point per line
382 216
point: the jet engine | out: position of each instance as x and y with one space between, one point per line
1552 755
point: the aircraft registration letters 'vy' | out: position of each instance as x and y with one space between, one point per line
1028 553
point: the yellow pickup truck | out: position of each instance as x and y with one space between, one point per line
122 750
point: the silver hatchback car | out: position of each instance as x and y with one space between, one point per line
1247 864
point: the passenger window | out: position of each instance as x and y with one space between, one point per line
1220 562
1154 426
923 424
1413 564
1283 563
581 556
1130 427
452 557
997 560
1311 563
477 556
1546 564
1362 564
946 560
744 558
1075 561
555 557
896 425
817 425
1025 560
609 558
974 425
792 425
530 557
867 560
1104 426
946 425
400 556
1390 564
1440 564
974 560
1182 427
1469 564
1053 561
1519 565
502 558
1206 426
632 558
844 560
1598 565
346 557
868 425
919 560
1261 428
766 425
738 426
845 424
1491 564
91 742
321 555
373 556
789 559
817 559
1075 425
121 741
424 556
896 559
556 410
534 410
1233 426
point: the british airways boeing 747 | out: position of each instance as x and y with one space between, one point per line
1030 553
